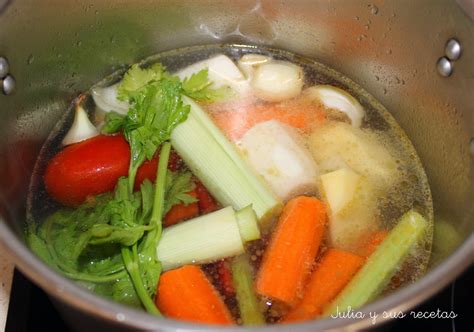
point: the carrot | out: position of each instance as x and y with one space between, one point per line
207 203
334 271
292 250
186 294
367 248
300 115
225 278
181 212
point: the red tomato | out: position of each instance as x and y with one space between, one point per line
87 168
93 167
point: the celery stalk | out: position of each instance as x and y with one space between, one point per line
218 164
248 225
381 265
242 276
202 240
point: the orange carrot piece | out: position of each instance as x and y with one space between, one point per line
335 269
235 123
181 212
372 243
186 294
288 260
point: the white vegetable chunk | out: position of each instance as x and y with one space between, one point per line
222 71
339 187
276 153
358 219
277 81
338 99
106 100
81 128
249 62
361 150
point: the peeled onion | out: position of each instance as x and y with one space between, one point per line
277 81
81 128
338 99
106 100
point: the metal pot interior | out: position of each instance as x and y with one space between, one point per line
390 48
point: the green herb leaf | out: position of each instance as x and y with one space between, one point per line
136 78
199 87
178 186
114 122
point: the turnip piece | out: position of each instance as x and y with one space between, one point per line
275 151
81 128
339 188
338 99
277 81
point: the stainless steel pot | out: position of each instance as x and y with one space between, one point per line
56 48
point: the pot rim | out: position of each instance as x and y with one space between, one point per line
76 296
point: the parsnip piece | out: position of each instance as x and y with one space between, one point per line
222 72
275 152
277 81
339 188
81 128
338 99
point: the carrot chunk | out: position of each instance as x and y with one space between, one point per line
334 271
288 260
186 294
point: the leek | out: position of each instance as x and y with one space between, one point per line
381 265
218 164
247 222
204 239
242 276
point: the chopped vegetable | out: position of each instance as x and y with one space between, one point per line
219 166
182 211
292 250
372 242
277 80
81 128
242 274
204 239
331 274
338 99
248 224
186 294
381 265
339 188
363 151
276 152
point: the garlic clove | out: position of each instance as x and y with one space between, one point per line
81 128
277 81
249 62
